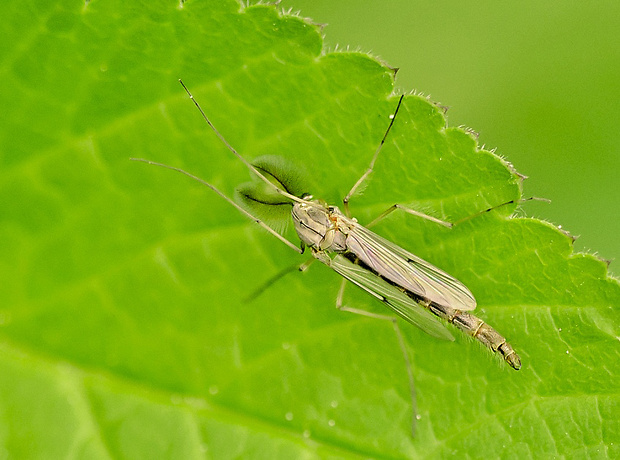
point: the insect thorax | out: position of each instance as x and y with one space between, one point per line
320 227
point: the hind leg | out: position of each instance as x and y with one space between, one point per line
401 343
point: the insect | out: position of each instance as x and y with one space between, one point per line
412 288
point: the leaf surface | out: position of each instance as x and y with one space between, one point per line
123 326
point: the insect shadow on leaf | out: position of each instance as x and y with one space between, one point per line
410 287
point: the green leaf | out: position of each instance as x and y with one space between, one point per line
123 329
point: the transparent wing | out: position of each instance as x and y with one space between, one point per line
398 301
409 271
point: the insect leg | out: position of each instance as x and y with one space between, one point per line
361 180
249 165
484 211
401 343
275 278
394 207
235 205
443 222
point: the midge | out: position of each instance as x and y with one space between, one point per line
412 288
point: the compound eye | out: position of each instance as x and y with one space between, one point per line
330 208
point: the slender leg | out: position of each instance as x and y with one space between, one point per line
484 211
249 165
275 278
401 343
235 205
361 180
443 222
394 207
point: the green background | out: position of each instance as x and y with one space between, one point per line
537 80
124 332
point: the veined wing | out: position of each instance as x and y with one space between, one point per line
408 270
398 301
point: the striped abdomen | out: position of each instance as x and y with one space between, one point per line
475 327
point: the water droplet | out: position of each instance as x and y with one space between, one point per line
418 417
213 389
306 434
288 416
331 423
286 345
334 404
